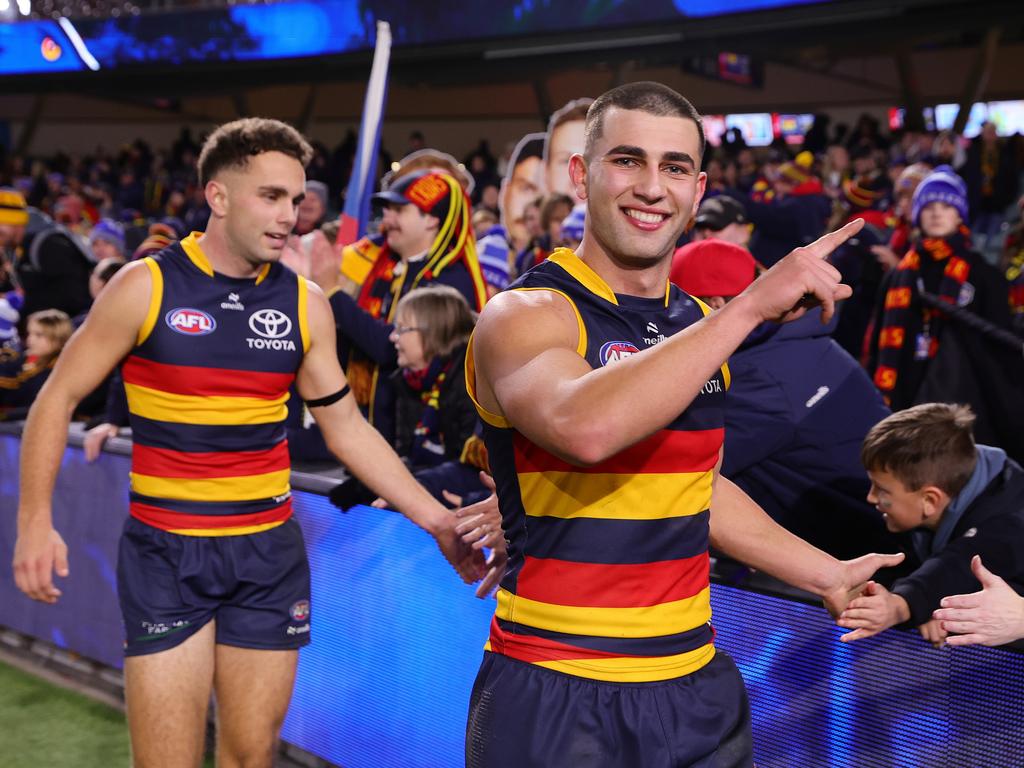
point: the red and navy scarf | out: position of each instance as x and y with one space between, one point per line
1015 277
428 447
910 333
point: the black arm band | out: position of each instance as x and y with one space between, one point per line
320 402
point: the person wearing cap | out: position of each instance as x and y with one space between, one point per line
49 264
13 220
917 354
106 240
428 239
797 411
724 218
358 258
794 216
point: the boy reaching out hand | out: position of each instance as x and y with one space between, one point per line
954 500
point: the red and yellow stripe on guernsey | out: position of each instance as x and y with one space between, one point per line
228 525
668 475
178 394
182 394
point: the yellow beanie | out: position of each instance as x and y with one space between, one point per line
13 208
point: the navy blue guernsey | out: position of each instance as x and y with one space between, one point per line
207 385
608 564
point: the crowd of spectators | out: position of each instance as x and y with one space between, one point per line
937 312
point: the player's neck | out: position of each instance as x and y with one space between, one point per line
223 259
632 278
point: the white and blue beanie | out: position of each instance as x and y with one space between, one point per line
942 185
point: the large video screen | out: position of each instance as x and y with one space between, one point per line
308 28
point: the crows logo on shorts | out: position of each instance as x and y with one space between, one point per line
613 351
300 611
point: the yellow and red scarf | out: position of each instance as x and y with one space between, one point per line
910 332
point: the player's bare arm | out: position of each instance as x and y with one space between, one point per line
362 449
744 531
529 370
109 333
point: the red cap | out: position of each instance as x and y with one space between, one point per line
713 267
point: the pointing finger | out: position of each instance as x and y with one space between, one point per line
825 244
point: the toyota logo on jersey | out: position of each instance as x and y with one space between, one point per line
191 322
270 324
613 351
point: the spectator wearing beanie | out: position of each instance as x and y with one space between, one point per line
106 240
795 216
572 227
313 208
13 220
50 264
797 411
918 354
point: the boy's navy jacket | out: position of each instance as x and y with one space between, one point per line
796 415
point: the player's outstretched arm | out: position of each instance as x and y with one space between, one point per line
364 452
742 530
109 333
993 616
529 367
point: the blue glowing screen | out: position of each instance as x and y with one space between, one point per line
306 28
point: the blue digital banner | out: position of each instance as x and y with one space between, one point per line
36 47
397 638
309 28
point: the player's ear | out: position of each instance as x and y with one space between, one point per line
216 197
702 182
578 175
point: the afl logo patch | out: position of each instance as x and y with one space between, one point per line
191 322
270 324
300 611
613 351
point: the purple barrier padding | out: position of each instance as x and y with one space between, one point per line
90 506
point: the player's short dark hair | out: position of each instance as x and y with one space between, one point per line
646 96
232 144
928 444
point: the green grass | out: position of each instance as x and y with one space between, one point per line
45 726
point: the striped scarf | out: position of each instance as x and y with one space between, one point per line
910 334
1015 277
382 289
428 449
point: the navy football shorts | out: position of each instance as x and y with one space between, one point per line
525 716
256 587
